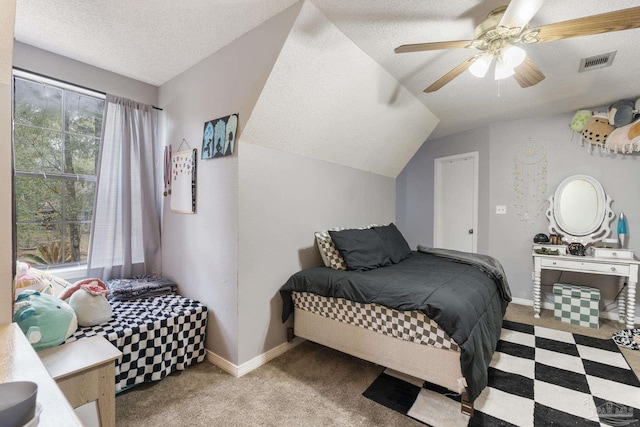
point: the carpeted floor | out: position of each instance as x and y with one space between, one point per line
309 385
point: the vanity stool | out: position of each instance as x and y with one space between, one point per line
578 305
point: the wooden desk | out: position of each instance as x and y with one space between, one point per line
625 269
85 371
19 362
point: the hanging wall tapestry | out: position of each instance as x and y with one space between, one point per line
219 137
530 180
183 181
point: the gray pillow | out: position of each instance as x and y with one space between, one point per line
361 250
394 242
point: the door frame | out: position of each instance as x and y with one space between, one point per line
437 192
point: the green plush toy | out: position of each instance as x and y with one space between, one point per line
579 120
46 320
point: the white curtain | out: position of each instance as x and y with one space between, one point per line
125 235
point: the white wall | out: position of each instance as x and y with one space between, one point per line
505 236
415 186
60 67
565 157
284 199
200 251
7 19
322 148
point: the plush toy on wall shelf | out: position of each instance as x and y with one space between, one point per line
597 129
617 131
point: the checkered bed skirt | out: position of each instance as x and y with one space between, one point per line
407 325
156 335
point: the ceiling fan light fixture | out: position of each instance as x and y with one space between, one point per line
503 70
481 65
513 56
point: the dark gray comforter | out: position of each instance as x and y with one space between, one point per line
467 296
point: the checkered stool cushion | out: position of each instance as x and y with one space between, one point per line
578 305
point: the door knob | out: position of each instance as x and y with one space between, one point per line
471 231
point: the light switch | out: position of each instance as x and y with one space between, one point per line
501 209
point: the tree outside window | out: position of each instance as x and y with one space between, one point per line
56 145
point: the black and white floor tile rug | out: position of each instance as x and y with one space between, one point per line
538 377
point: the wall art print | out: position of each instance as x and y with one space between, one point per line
219 138
183 181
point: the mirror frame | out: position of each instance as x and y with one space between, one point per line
595 232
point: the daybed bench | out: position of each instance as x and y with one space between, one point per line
156 335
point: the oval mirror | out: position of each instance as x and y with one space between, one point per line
579 205
580 211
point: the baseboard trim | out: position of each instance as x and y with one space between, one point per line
240 370
609 315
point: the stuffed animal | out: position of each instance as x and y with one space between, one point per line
46 320
31 278
634 130
597 129
625 139
580 119
88 298
622 113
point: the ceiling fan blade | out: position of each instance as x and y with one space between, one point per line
528 74
419 47
451 75
519 13
618 20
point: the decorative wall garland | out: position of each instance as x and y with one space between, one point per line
529 180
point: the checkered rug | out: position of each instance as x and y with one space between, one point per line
538 376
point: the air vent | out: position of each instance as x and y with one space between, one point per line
595 62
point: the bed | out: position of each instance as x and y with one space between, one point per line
157 335
432 314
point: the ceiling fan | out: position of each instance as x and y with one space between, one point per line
505 28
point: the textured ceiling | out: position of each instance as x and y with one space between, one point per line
148 40
154 40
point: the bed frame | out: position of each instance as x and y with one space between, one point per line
435 365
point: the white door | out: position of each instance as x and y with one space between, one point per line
456 202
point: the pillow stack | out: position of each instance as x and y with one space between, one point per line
362 249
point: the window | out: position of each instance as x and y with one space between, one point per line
56 139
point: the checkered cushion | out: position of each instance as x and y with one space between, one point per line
578 305
330 255
407 325
156 335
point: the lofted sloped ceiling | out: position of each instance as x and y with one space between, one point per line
328 100
154 40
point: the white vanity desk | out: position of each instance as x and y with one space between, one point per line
580 212
626 269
